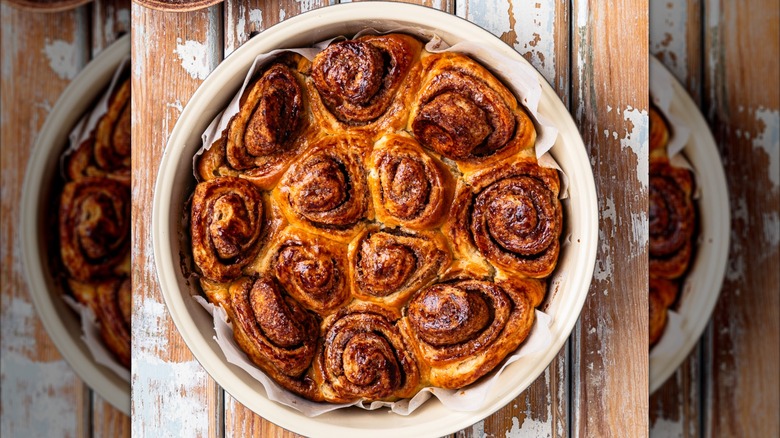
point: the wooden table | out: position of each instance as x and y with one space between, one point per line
725 55
597 385
42 53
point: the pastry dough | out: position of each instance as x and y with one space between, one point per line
416 234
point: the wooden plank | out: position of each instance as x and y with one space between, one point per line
742 99
609 102
540 32
41 395
675 39
172 54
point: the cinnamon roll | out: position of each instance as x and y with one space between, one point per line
365 84
226 226
312 268
94 226
662 294
364 356
269 130
463 329
114 299
112 133
464 113
512 216
325 191
389 265
672 220
275 331
411 188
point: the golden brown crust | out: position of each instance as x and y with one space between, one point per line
365 84
672 220
659 134
410 187
662 294
277 333
389 265
364 356
269 130
465 328
114 313
464 113
94 225
325 191
112 133
226 226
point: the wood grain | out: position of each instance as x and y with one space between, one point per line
40 392
742 103
172 394
609 102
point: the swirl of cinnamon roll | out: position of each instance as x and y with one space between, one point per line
366 80
390 265
226 226
672 220
662 294
269 129
464 113
275 331
466 327
112 133
364 356
410 187
516 219
659 132
312 269
94 226
114 298
326 191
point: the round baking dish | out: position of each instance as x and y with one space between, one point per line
175 182
63 324
701 289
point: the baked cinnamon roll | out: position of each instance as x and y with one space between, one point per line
464 113
226 226
275 331
672 220
365 84
411 188
112 133
269 130
114 311
325 191
512 216
311 268
364 356
463 329
662 294
94 225
389 265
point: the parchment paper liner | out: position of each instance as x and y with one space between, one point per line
523 80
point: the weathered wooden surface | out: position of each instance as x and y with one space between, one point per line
726 57
41 54
611 392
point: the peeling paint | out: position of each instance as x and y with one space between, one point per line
768 140
637 140
65 58
667 21
194 58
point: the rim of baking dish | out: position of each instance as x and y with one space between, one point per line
60 321
705 278
432 419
